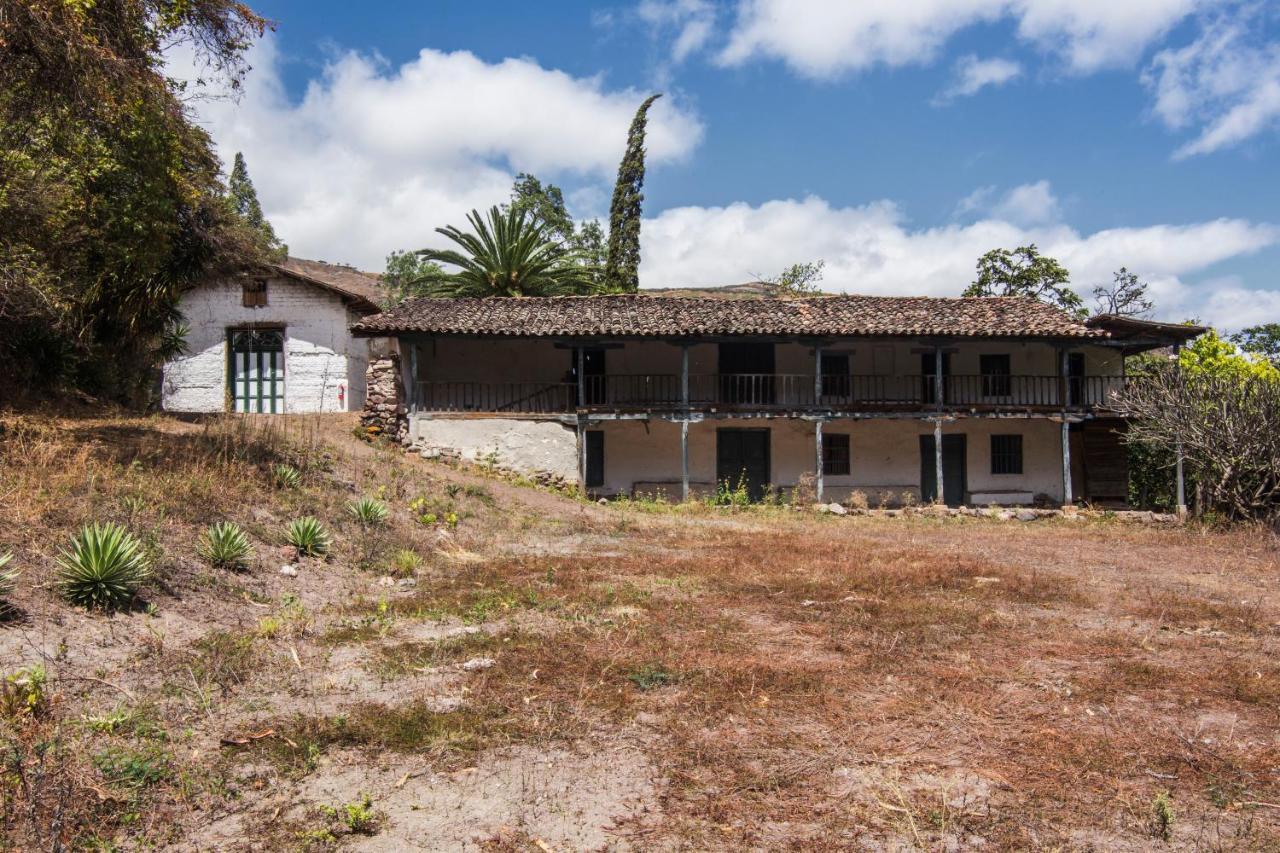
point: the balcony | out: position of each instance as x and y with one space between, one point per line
772 393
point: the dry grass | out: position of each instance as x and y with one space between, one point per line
793 682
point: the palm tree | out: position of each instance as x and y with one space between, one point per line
506 254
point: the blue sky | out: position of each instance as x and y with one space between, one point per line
896 141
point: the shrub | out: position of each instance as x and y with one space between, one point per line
286 477
133 768
24 693
104 568
8 578
858 500
405 563
309 536
225 546
368 511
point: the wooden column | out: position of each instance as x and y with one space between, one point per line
411 393
941 496
684 460
582 456
817 436
1067 498
684 423
1180 498
582 377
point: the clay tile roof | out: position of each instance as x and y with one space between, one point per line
669 316
362 289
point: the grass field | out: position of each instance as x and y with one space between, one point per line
548 674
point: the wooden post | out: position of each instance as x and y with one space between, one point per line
1067 499
684 460
582 377
941 496
817 376
937 386
582 456
1063 395
817 436
684 424
1180 498
412 391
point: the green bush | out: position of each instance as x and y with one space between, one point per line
225 546
286 477
309 536
104 567
25 692
368 511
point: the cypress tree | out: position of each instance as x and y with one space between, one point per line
244 200
622 264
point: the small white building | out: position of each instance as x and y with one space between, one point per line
274 340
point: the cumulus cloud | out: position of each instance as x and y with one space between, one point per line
825 38
872 249
690 20
1026 204
1227 80
971 75
374 157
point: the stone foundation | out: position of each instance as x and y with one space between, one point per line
384 409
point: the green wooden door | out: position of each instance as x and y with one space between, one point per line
256 371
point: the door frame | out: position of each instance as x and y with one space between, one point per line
768 456
231 363
929 464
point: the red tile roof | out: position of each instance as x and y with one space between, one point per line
669 316
363 290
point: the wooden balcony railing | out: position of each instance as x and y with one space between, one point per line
772 391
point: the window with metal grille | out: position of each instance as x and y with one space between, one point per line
835 454
254 293
995 375
1006 454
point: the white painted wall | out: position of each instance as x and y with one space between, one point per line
527 446
320 354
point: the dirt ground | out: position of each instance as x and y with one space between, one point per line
551 674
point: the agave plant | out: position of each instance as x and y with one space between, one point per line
309 536
225 546
8 578
103 568
286 477
368 511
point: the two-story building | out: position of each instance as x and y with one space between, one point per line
983 400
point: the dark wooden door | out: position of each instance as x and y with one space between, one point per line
742 456
593 374
746 374
928 376
595 458
955 474
1075 378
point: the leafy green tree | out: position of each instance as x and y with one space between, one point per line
244 200
797 280
111 202
622 262
544 203
1025 272
1125 297
1263 340
407 275
1213 355
505 254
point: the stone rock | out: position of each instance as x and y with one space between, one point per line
836 509
477 664
386 580
289 571
1027 515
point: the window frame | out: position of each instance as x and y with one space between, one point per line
831 443
1007 460
837 383
253 293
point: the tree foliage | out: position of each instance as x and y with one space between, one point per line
797 280
622 263
1263 340
505 254
244 201
1126 296
111 203
544 203
408 274
1025 272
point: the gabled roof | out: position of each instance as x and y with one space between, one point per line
362 290
671 316
1134 329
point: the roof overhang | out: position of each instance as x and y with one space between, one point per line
1136 335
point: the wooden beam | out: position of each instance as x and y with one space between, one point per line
941 496
817 437
582 377
684 461
1067 498
1180 498
582 457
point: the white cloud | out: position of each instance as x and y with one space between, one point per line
374 157
1026 204
1227 79
692 21
825 38
972 74
871 249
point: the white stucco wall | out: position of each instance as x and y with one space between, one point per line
527 446
321 356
